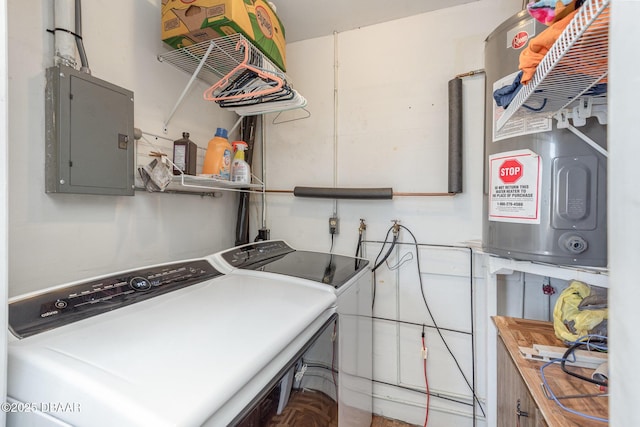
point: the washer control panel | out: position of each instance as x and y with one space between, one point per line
63 305
256 254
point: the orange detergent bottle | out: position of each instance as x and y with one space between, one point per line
217 160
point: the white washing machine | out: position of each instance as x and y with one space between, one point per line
351 280
176 344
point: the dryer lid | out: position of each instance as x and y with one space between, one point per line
278 257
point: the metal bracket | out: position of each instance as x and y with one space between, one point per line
186 89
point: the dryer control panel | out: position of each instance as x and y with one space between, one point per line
256 254
67 304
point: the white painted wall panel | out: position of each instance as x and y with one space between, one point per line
4 207
624 209
391 121
60 237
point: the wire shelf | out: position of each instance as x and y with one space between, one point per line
220 55
223 61
572 68
198 183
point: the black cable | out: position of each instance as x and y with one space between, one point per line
415 244
435 324
568 353
384 258
404 322
65 30
373 299
358 248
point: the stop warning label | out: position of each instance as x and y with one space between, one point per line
514 187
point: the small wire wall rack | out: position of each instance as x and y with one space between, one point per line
200 182
219 60
572 68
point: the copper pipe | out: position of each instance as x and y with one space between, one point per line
470 73
279 191
424 194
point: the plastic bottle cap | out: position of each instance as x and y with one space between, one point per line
240 145
222 132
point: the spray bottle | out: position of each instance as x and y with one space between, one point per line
240 170
217 160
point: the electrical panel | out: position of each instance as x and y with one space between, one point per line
89 135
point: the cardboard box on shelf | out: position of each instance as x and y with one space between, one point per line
185 22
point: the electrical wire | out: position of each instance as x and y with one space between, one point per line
557 401
457 331
386 237
571 352
435 324
386 255
415 390
426 379
359 247
403 260
334 371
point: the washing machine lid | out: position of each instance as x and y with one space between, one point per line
278 257
175 359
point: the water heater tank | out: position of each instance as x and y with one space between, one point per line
544 187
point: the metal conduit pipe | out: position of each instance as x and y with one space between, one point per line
84 62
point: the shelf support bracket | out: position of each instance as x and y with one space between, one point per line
589 141
186 89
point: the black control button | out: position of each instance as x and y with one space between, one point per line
139 284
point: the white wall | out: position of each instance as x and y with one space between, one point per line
624 210
56 238
391 127
4 262
391 121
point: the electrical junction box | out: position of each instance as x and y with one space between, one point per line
89 135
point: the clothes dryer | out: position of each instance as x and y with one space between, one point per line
350 279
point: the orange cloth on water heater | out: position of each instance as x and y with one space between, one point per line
538 47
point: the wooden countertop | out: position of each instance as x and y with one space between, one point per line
517 333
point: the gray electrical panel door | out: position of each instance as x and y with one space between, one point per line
89 135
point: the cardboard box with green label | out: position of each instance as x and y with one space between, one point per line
186 22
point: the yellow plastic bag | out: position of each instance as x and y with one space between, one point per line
580 310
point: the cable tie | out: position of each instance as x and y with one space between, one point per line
78 36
